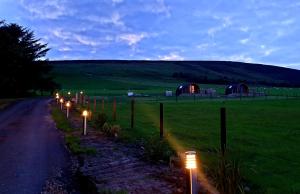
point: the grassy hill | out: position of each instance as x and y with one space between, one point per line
214 72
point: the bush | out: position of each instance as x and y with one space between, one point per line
111 131
157 149
100 120
226 176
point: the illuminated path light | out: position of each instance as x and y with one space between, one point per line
190 164
61 103
85 113
57 97
68 105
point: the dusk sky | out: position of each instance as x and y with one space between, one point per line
258 31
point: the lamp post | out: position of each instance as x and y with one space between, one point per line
85 113
68 105
61 103
57 97
69 95
190 164
81 97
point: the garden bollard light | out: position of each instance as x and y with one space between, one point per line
81 97
57 97
61 103
68 105
190 164
85 113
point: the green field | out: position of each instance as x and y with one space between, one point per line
263 132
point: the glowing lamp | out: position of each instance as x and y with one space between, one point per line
85 113
81 92
68 104
69 93
190 160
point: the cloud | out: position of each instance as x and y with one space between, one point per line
132 39
240 58
65 49
173 56
244 28
205 46
85 40
116 1
269 51
159 7
61 34
244 41
287 22
48 9
114 19
225 22
70 38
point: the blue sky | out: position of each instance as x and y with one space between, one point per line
258 31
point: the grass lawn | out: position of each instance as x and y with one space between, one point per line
262 134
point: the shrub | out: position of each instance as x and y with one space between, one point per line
226 176
100 120
111 131
157 149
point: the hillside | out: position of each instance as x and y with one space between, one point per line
206 72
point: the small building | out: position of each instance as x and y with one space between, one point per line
190 88
130 94
237 89
169 93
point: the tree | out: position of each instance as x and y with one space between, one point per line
24 69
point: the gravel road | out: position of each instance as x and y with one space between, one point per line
31 148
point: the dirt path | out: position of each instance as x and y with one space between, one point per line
120 167
31 148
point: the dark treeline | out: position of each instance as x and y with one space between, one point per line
24 71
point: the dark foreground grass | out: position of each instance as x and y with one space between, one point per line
263 135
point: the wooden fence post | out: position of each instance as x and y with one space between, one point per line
223 130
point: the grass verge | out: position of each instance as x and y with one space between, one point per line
72 141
